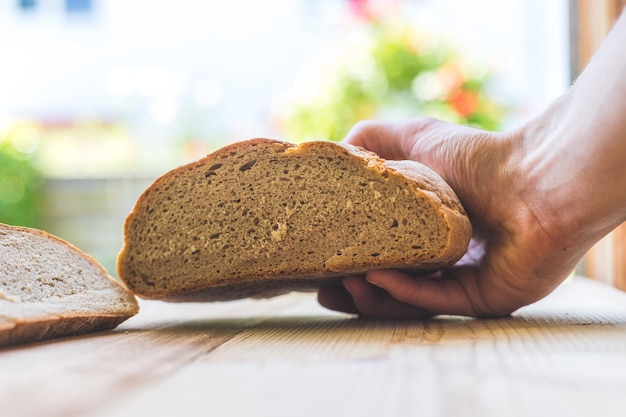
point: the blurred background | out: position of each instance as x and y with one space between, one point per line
99 97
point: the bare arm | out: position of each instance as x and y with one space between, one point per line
538 197
577 149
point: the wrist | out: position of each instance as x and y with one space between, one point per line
570 186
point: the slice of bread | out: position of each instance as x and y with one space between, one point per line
263 217
49 288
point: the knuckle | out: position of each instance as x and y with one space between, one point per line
421 124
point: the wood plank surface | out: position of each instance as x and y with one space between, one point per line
565 355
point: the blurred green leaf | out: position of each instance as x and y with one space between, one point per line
20 186
411 75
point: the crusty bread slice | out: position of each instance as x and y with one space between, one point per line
264 217
49 288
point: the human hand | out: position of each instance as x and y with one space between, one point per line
538 198
519 252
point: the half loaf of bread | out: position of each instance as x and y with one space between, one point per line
264 217
49 288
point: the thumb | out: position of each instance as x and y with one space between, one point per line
442 146
382 138
470 160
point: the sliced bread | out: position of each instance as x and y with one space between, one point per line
49 288
264 217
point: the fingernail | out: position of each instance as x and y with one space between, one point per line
372 280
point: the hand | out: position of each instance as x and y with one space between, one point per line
518 252
538 198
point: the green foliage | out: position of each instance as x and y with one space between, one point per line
20 183
395 74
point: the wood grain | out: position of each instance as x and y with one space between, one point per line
606 261
563 355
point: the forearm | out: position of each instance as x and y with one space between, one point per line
576 151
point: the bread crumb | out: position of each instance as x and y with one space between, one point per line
279 233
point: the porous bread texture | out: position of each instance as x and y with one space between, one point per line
49 288
263 217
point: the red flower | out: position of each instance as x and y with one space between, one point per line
464 102
360 8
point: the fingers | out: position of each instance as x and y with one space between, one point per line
372 301
443 295
380 138
357 296
394 294
410 139
337 298
466 158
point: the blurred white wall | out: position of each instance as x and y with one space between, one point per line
216 66
525 41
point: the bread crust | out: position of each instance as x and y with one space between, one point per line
37 329
415 177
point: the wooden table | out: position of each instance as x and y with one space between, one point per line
563 356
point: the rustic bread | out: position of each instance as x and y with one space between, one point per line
264 217
49 288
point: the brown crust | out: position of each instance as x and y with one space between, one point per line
18 330
36 329
420 179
